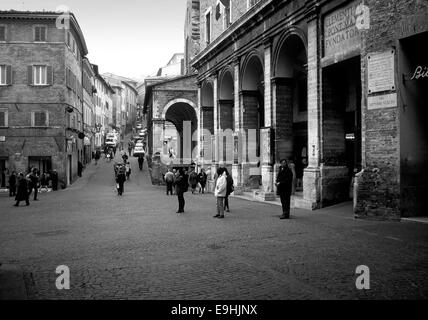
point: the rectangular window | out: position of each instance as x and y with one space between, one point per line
3 118
227 13
5 75
68 39
40 75
40 119
208 27
2 33
40 34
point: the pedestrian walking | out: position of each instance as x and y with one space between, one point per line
79 168
22 191
202 180
33 183
128 169
284 182
141 161
169 180
97 156
220 192
120 179
182 186
193 180
12 184
229 189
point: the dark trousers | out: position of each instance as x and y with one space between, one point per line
121 188
36 191
181 201
169 188
140 164
285 201
226 203
12 191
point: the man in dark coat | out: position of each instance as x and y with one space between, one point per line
22 194
181 183
12 184
202 179
120 179
284 182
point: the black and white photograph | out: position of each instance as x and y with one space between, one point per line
213 154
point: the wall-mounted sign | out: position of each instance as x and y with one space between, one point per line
382 101
380 69
2 138
340 31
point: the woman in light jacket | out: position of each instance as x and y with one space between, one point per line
220 192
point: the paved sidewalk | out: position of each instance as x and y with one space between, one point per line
137 247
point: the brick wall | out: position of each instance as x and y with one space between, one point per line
284 117
378 191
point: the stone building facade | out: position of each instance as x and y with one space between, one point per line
330 85
41 101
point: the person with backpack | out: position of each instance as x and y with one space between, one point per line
229 189
182 186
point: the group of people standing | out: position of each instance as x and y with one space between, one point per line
224 187
122 173
22 186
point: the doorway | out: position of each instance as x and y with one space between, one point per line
413 61
342 121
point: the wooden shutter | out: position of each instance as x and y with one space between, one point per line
49 75
8 75
37 34
30 75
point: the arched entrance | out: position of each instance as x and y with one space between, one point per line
207 119
226 118
252 100
291 112
183 116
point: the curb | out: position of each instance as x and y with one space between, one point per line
12 286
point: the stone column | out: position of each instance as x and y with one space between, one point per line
267 192
311 177
159 160
236 167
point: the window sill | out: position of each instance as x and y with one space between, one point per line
40 85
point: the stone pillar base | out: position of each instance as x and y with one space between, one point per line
311 190
264 196
267 179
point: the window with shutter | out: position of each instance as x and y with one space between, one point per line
40 119
40 34
3 118
2 33
40 75
3 80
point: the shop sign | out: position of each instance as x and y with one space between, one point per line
382 101
2 138
420 73
340 30
380 69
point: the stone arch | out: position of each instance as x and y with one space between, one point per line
207 94
252 71
175 101
226 84
291 32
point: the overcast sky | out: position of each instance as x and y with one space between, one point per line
132 38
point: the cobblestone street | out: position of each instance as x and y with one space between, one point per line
137 247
